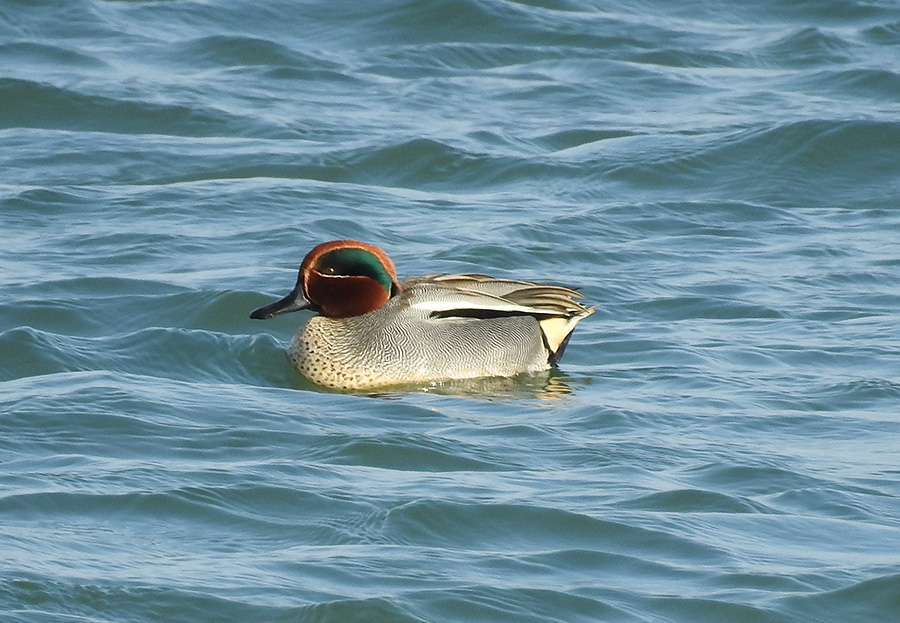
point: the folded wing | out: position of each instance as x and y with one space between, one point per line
479 296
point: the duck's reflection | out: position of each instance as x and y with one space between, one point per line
550 385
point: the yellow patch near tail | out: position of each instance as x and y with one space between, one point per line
556 330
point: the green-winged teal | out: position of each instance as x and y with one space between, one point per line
375 331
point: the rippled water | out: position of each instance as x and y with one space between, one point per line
721 442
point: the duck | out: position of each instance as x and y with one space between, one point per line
373 330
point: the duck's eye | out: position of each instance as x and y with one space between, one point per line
329 270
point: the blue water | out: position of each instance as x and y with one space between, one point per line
720 444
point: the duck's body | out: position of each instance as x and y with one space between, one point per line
375 331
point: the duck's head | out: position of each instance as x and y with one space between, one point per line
339 279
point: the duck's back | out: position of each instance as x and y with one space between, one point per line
439 327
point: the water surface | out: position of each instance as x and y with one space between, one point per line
720 443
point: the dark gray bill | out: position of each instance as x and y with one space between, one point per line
295 301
